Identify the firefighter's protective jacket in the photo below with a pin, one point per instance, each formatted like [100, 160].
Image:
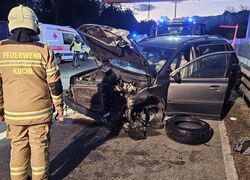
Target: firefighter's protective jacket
[30, 83]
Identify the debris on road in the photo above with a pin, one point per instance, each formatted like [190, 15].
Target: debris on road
[243, 146]
[233, 118]
[236, 130]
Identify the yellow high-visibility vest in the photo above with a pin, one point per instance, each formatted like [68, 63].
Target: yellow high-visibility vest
[77, 46]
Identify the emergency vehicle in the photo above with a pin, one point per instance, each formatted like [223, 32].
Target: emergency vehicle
[182, 26]
[59, 38]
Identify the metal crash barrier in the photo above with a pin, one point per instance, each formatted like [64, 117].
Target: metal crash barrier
[245, 81]
[243, 50]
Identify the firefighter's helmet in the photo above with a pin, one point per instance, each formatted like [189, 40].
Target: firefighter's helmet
[23, 17]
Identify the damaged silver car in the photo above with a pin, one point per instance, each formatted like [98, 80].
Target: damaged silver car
[138, 84]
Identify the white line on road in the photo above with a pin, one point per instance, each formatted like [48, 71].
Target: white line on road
[2, 135]
[230, 169]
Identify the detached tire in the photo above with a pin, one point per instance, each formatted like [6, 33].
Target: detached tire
[188, 130]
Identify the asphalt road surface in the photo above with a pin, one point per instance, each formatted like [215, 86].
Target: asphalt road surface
[81, 149]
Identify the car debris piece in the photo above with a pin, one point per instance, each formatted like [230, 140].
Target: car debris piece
[188, 130]
[233, 118]
[243, 146]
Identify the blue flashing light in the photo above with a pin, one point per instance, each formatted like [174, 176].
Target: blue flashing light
[190, 19]
[162, 20]
[134, 35]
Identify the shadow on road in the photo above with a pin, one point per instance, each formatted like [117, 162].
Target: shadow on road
[84, 142]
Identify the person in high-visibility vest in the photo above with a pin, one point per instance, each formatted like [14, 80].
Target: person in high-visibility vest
[30, 90]
[76, 47]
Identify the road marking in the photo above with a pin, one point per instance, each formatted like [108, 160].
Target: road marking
[2, 135]
[231, 173]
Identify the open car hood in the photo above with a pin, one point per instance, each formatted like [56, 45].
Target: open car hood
[109, 43]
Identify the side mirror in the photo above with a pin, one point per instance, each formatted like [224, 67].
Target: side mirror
[177, 77]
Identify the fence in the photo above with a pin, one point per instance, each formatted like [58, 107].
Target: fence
[242, 48]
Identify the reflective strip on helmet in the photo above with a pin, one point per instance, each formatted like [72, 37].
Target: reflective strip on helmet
[27, 115]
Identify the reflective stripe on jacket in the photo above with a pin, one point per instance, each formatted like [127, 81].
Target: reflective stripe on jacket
[29, 83]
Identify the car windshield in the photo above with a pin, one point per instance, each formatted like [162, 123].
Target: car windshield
[157, 57]
[127, 66]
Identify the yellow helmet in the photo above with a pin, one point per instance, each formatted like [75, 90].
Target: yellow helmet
[22, 17]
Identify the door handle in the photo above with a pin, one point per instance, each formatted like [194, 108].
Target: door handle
[215, 87]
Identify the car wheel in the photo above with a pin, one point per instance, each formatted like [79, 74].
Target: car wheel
[188, 130]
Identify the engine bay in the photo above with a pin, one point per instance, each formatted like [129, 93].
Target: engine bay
[113, 95]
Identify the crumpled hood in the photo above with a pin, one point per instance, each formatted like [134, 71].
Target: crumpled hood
[109, 43]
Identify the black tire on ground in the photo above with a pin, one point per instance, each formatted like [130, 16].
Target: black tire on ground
[188, 130]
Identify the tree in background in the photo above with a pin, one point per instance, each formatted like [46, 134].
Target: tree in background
[74, 13]
[144, 27]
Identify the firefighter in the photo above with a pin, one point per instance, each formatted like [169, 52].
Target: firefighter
[76, 47]
[30, 90]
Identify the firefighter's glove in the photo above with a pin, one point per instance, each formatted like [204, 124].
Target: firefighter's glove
[1, 118]
[59, 116]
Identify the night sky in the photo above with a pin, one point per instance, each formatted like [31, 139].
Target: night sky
[185, 8]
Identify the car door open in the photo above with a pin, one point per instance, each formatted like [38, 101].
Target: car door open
[200, 86]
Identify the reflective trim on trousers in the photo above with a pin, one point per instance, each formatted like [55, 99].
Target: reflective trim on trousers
[39, 170]
[16, 171]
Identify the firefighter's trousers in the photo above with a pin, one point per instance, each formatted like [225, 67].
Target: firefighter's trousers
[29, 147]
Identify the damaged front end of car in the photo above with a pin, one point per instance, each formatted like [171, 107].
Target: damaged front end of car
[119, 97]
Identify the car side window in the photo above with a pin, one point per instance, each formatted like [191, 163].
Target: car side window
[68, 38]
[213, 66]
[211, 48]
[182, 58]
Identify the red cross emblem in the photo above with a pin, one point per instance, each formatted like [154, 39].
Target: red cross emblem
[54, 36]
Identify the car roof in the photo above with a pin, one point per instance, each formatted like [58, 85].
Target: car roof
[173, 42]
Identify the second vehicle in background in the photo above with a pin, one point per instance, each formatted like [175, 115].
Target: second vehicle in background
[59, 38]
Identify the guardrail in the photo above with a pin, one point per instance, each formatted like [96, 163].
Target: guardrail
[242, 49]
[245, 81]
